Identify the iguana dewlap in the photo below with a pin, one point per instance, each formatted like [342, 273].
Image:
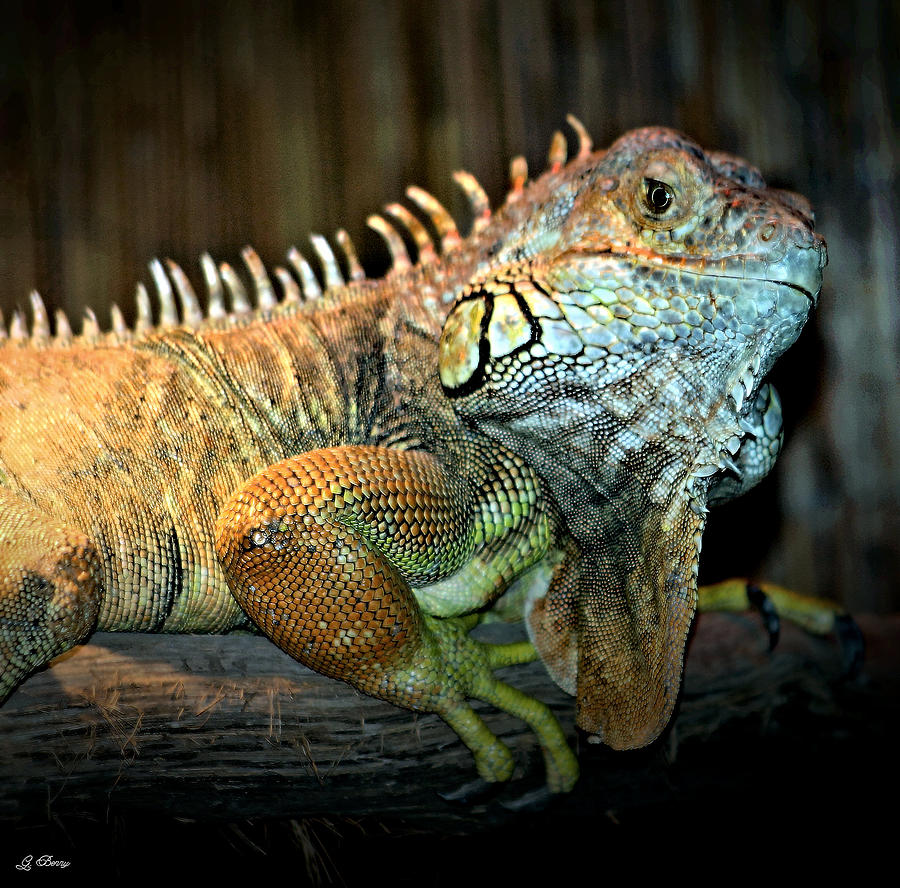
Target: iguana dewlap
[535, 416]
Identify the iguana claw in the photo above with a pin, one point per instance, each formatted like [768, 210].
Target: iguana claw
[472, 792]
[763, 604]
[774, 603]
[853, 649]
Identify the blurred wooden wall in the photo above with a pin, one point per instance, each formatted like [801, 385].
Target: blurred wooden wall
[129, 130]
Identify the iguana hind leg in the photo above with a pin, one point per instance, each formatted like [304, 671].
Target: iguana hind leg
[816, 615]
[323, 551]
[753, 461]
[49, 596]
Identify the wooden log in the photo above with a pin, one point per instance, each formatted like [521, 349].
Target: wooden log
[229, 728]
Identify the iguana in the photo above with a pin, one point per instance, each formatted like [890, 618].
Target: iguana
[529, 420]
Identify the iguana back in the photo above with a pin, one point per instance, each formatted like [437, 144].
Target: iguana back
[140, 442]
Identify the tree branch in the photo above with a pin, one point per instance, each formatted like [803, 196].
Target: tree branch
[228, 728]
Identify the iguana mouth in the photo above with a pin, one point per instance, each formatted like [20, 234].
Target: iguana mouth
[803, 290]
[688, 265]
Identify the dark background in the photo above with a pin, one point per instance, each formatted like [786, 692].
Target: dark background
[130, 130]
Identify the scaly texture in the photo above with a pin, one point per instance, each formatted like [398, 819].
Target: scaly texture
[531, 419]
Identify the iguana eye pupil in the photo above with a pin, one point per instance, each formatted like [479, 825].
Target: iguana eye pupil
[658, 195]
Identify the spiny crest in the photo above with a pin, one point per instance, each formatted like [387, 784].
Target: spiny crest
[228, 299]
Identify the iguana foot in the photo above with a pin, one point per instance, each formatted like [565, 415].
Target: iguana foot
[321, 551]
[473, 663]
[816, 615]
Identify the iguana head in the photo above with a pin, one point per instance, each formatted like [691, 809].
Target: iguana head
[634, 301]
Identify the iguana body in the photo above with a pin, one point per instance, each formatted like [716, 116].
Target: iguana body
[543, 410]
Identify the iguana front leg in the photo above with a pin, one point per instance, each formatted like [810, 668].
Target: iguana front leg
[323, 552]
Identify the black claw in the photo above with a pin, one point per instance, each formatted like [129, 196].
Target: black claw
[473, 792]
[535, 800]
[853, 648]
[763, 604]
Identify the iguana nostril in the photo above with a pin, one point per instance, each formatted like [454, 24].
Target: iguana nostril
[768, 231]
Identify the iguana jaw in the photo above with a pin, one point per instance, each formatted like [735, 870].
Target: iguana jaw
[805, 277]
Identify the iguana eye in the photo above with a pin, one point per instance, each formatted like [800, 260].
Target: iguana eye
[657, 196]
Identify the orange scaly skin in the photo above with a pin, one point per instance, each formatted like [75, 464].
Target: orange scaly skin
[540, 413]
